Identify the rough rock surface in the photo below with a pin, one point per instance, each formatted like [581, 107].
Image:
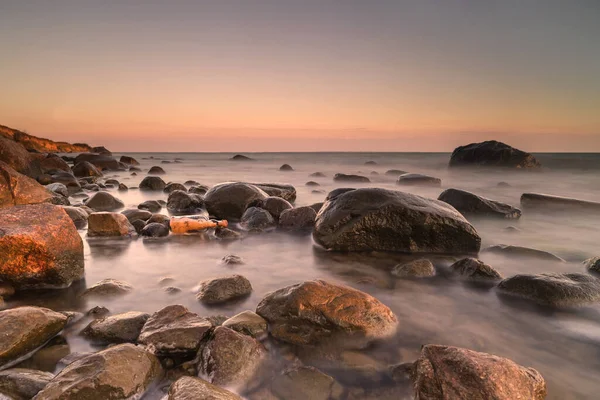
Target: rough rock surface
[418, 179]
[298, 219]
[223, 289]
[152, 183]
[133, 214]
[84, 168]
[171, 187]
[150, 205]
[286, 192]
[230, 200]
[474, 269]
[108, 288]
[492, 154]
[156, 171]
[155, 230]
[188, 388]
[78, 215]
[302, 383]
[120, 328]
[257, 219]
[444, 372]
[248, 323]
[415, 269]
[592, 264]
[109, 224]
[542, 202]
[129, 160]
[313, 311]
[22, 384]
[351, 178]
[101, 161]
[275, 205]
[521, 252]
[17, 189]
[468, 203]
[181, 202]
[104, 201]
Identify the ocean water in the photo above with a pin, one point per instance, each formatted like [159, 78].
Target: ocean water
[564, 345]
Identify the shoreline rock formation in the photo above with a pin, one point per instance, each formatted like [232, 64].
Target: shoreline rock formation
[42, 145]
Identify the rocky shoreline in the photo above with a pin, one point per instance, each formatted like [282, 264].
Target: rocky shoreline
[45, 199]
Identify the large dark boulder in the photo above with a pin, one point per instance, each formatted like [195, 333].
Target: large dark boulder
[298, 219]
[104, 201]
[17, 189]
[181, 202]
[315, 311]
[230, 200]
[39, 247]
[257, 219]
[374, 219]
[286, 192]
[189, 388]
[444, 372]
[173, 186]
[101, 161]
[152, 183]
[85, 168]
[492, 154]
[468, 203]
[129, 160]
[108, 288]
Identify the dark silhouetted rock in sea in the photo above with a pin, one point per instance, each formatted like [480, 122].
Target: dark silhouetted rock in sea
[155, 230]
[468, 203]
[285, 191]
[312, 183]
[474, 269]
[286, 167]
[180, 202]
[101, 161]
[153, 183]
[418, 180]
[150, 205]
[274, 205]
[317, 175]
[156, 171]
[129, 160]
[171, 187]
[240, 157]
[230, 200]
[414, 269]
[521, 252]
[351, 178]
[492, 154]
[395, 172]
[541, 202]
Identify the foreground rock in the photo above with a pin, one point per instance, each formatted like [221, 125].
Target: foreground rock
[521, 252]
[351, 178]
[241, 157]
[108, 288]
[120, 328]
[18, 189]
[444, 372]
[121, 372]
[152, 183]
[538, 201]
[301, 383]
[418, 180]
[78, 215]
[415, 269]
[39, 247]
[24, 330]
[468, 203]
[384, 220]
[220, 290]
[257, 219]
[104, 201]
[229, 358]
[21, 383]
[188, 388]
[155, 230]
[492, 154]
[298, 219]
[474, 269]
[314, 311]
[109, 224]
[553, 289]
[248, 323]
[174, 331]
[230, 200]
[286, 192]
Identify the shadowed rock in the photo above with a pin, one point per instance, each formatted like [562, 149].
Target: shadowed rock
[492, 154]
[317, 175]
[155, 230]
[156, 170]
[395, 172]
[188, 388]
[104, 201]
[129, 160]
[17, 189]
[152, 183]
[257, 219]
[101, 161]
[468, 203]
[474, 269]
[298, 219]
[230, 200]
[78, 215]
[592, 264]
[299, 383]
[109, 224]
[286, 167]
[22, 383]
[181, 202]
[351, 178]
[240, 157]
[150, 205]
[415, 269]
[223, 289]
[286, 192]
[538, 201]
[134, 214]
[521, 252]
[274, 205]
[248, 323]
[85, 168]
[120, 328]
[171, 187]
[418, 180]
[108, 288]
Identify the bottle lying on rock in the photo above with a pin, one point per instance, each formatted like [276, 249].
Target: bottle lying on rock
[181, 225]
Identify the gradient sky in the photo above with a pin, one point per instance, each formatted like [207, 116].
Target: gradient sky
[303, 75]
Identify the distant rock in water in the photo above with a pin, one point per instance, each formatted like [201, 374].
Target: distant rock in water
[41, 145]
[492, 154]
[317, 175]
[156, 171]
[468, 203]
[592, 264]
[101, 150]
[285, 191]
[240, 157]
[351, 178]
[101, 161]
[395, 172]
[286, 167]
[418, 180]
[474, 269]
[538, 201]
[521, 252]
[370, 163]
[129, 160]
[415, 269]
[153, 183]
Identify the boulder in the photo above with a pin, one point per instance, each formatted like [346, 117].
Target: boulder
[230, 200]
[468, 203]
[249, 323]
[227, 234]
[492, 154]
[17, 189]
[395, 172]
[123, 187]
[188, 388]
[77, 215]
[418, 179]
[84, 168]
[22, 383]
[156, 171]
[171, 187]
[351, 178]
[444, 372]
[18, 158]
[228, 358]
[521, 252]
[26, 329]
[103, 162]
[67, 179]
[553, 289]
[155, 230]
[174, 331]
[315, 311]
[39, 247]
[298, 219]
[317, 207]
[123, 372]
[129, 160]
[374, 219]
[232, 259]
[317, 175]
[101, 150]
[286, 192]
[474, 269]
[104, 201]
[133, 214]
[120, 328]
[108, 288]
[415, 269]
[109, 224]
[161, 219]
[286, 167]
[198, 189]
[58, 188]
[538, 201]
[274, 205]
[312, 183]
[181, 202]
[592, 264]
[223, 289]
[257, 219]
[150, 205]
[240, 157]
[300, 382]
[138, 225]
[152, 183]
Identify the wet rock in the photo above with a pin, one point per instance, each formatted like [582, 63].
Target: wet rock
[228, 358]
[419, 179]
[223, 289]
[101, 150]
[181, 202]
[17, 189]
[155, 230]
[395, 172]
[217, 320]
[138, 225]
[468, 203]
[174, 331]
[444, 372]
[240, 157]
[120, 328]
[317, 207]
[302, 382]
[415, 269]
[97, 312]
[17, 157]
[232, 259]
[46, 358]
[101, 161]
[474, 269]
[199, 189]
[188, 388]
[315, 311]
[492, 154]
[538, 201]
[123, 372]
[152, 183]
[351, 178]
[150, 205]
[122, 187]
[298, 219]
[385, 220]
[257, 219]
[248, 323]
[591, 264]
[172, 290]
[521, 252]
[171, 187]
[104, 201]
[553, 289]
[312, 183]
[317, 175]
[21, 383]
[58, 188]
[161, 219]
[77, 215]
[111, 182]
[286, 192]
[191, 183]
[129, 160]
[230, 200]
[133, 214]
[39, 247]
[84, 168]
[274, 205]
[24, 330]
[227, 234]
[286, 167]
[109, 224]
[107, 288]
[503, 184]
[156, 171]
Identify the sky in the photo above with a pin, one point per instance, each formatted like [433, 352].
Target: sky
[303, 75]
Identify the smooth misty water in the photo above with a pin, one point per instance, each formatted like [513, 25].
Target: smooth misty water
[564, 345]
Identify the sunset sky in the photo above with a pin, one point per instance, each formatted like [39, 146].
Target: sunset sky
[303, 75]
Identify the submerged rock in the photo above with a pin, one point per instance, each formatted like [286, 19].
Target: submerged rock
[419, 179]
[312, 183]
[152, 183]
[298, 219]
[120, 372]
[540, 201]
[300, 383]
[227, 234]
[150, 205]
[474, 269]
[109, 224]
[395, 172]
[374, 219]
[415, 269]
[274, 205]
[223, 289]
[286, 192]
[468, 203]
[232, 259]
[120, 328]
[286, 167]
[444, 372]
[315, 311]
[104, 201]
[521, 252]
[492, 154]
[553, 289]
[181, 202]
[188, 388]
[108, 288]
[18, 189]
[156, 171]
[230, 200]
[257, 219]
[39, 247]
[134, 214]
[351, 178]
[155, 230]
[317, 175]
[240, 157]
[592, 264]
[24, 330]
[22, 383]
[171, 187]
[248, 323]
[77, 215]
